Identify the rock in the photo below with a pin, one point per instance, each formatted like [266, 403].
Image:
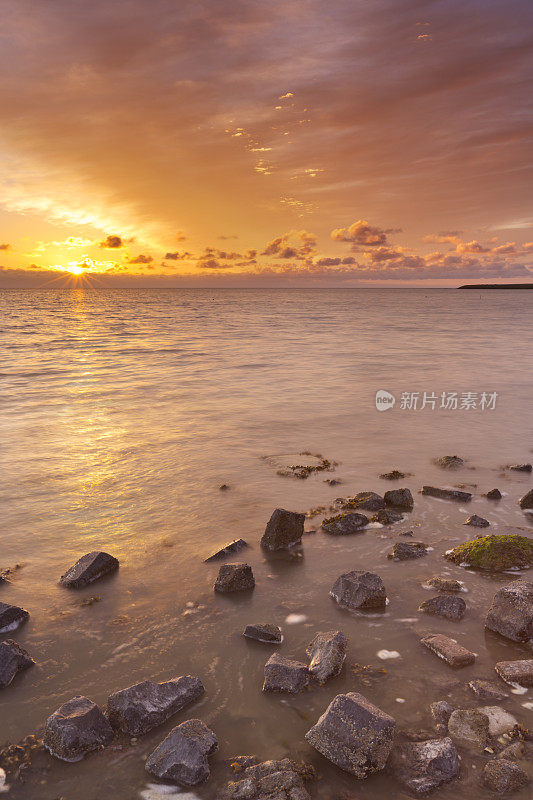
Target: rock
[394, 475]
[511, 611]
[401, 498]
[13, 659]
[270, 780]
[527, 500]
[450, 462]
[139, 708]
[405, 533]
[327, 652]
[182, 756]
[423, 766]
[500, 721]
[284, 529]
[494, 553]
[445, 605]
[368, 501]
[233, 547]
[234, 578]
[264, 633]
[359, 590]
[454, 654]
[514, 752]
[344, 524]
[284, 675]
[476, 522]
[445, 584]
[486, 690]
[78, 727]
[89, 569]
[223, 487]
[402, 551]
[520, 671]
[333, 481]
[503, 776]
[520, 467]
[353, 734]
[441, 712]
[469, 728]
[11, 617]
[494, 494]
[446, 494]
[386, 516]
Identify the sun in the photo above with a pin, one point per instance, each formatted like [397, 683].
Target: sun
[76, 270]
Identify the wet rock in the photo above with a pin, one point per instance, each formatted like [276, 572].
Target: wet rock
[503, 776]
[494, 553]
[527, 500]
[514, 752]
[13, 659]
[445, 605]
[448, 649]
[441, 712]
[520, 467]
[233, 547]
[402, 551]
[234, 578]
[476, 522]
[354, 734]
[405, 533]
[494, 494]
[344, 524]
[386, 516]
[368, 501]
[327, 652]
[284, 529]
[88, 569]
[182, 756]
[423, 766]
[500, 721]
[269, 780]
[450, 462]
[223, 487]
[520, 671]
[511, 611]
[359, 590]
[445, 584]
[11, 617]
[78, 727]
[400, 498]
[284, 675]
[264, 633]
[333, 481]
[394, 475]
[238, 763]
[486, 690]
[446, 494]
[469, 728]
[139, 708]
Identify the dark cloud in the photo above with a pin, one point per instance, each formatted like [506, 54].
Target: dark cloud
[112, 242]
[177, 256]
[141, 259]
[5, 246]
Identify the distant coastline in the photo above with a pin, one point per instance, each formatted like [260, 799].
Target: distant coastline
[496, 286]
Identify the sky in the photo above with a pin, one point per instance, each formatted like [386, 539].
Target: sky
[276, 143]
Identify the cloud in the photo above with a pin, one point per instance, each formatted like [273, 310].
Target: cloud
[298, 245]
[112, 242]
[5, 246]
[177, 256]
[360, 233]
[141, 259]
[472, 247]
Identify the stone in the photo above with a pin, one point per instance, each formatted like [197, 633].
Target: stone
[445, 605]
[77, 727]
[12, 617]
[513, 752]
[354, 735]
[333, 481]
[182, 757]
[359, 590]
[284, 675]
[476, 522]
[386, 516]
[448, 649]
[445, 584]
[224, 487]
[486, 690]
[521, 467]
[403, 551]
[88, 569]
[344, 524]
[494, 553]
[393, 475]
[441, 712]
[494, 494]
[284, 529]
[264, 633]
[139, 708]
[500, 721]
[469, 728]
[526, 501]
[13, 659]
[405, 533]
[520, 671]
[233, 547]
[503, 776]
[269, 780]
[511, 611]
[327, 652]
[446, 494]
[400, 498]
[234, 578]
[450, 462]
[423, 766]
[368, 501]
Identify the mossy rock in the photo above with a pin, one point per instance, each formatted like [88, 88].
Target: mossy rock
[494, 553]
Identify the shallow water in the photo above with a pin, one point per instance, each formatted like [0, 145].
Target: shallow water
[126, 410]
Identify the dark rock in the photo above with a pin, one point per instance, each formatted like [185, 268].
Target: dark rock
[89, 569]
[238, 763]
[78, 727]
[344, 524]
[233, 547]
[386, 516]
[139, 708]
[520, 672]
[182, 756]
[445, 605]
[423, 766]
[394, 475]
[450, 462]
[476, 522]
[264, 633]
[469, 727]
[503, 776]
[368, 501]
[486, 690]
[284, 529]
[13, 659]
[327, 652]
[521, 467]
[511, 612]
[494, 553]
[402, 551]
[223, 487]
[359, 590]
[441, 712]
[405, 533]
[494, 494]
[454, 654]
[446, 494]
[514, 752]
[445, 584]
[284, 675]
[270, 780]
[234, 578]
[11, 617]
[333, 481]
[354, 734]
[527, 500]
[400, 498]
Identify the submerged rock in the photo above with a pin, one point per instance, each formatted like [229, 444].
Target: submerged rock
[270, 780]
[264, 633]
[445, 584]
[469, 727]
[11, 617]
[327, 652]
[284, 675]
[344, 524]
[386, 516]
[354, 735]
[526, 501]
[520, 467]
[368, 501]
[494, 553]
[477, 522]
[284, 529]
[401, 498]
[446, 494]
[503, 776]
[520, 671]
[445, 605]
[450, 462]
[423, 766]
[139, 708]
[13, 659]
[513, 752]
[359, 589]
[402, 551]
[511, 612]
[486, 690]
[448, 649]
[234, 578]
[88, 569]
[441, 712]
[393, 475]
[182, 756]
[233, 547]
[78, 727]
[494, 494]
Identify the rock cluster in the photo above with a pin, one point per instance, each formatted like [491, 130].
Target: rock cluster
[270, 780]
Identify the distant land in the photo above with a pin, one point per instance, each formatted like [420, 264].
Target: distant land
[496, 286]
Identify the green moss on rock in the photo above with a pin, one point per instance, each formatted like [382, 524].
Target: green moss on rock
[494, 553]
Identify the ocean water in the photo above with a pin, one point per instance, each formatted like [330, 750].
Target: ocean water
[123, 413]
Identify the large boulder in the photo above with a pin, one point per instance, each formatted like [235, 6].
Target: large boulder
[494, 553]
[345, 524]
[502, 776]
[139, 708]
[469, 727]
[88, 569]
[234, 578]
[284, 529]
[512, 672]
[78, 727]
[182, 755]
[446, 494]
[354, 734]
[269, 780]
[327, 652]
[511, 611]
[11, 617]
[448, 606]
[526, 501]
[400, 498]
[13, 659]
[423, 766]
[284, 675]
[448, 649]
[359, 589]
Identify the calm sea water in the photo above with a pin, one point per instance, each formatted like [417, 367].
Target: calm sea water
[124, 411]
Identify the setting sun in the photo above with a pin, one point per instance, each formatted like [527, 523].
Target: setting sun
[76, 270]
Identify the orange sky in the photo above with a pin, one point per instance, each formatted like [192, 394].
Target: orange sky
[280, 143]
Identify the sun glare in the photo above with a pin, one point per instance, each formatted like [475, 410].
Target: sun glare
[76, 270]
